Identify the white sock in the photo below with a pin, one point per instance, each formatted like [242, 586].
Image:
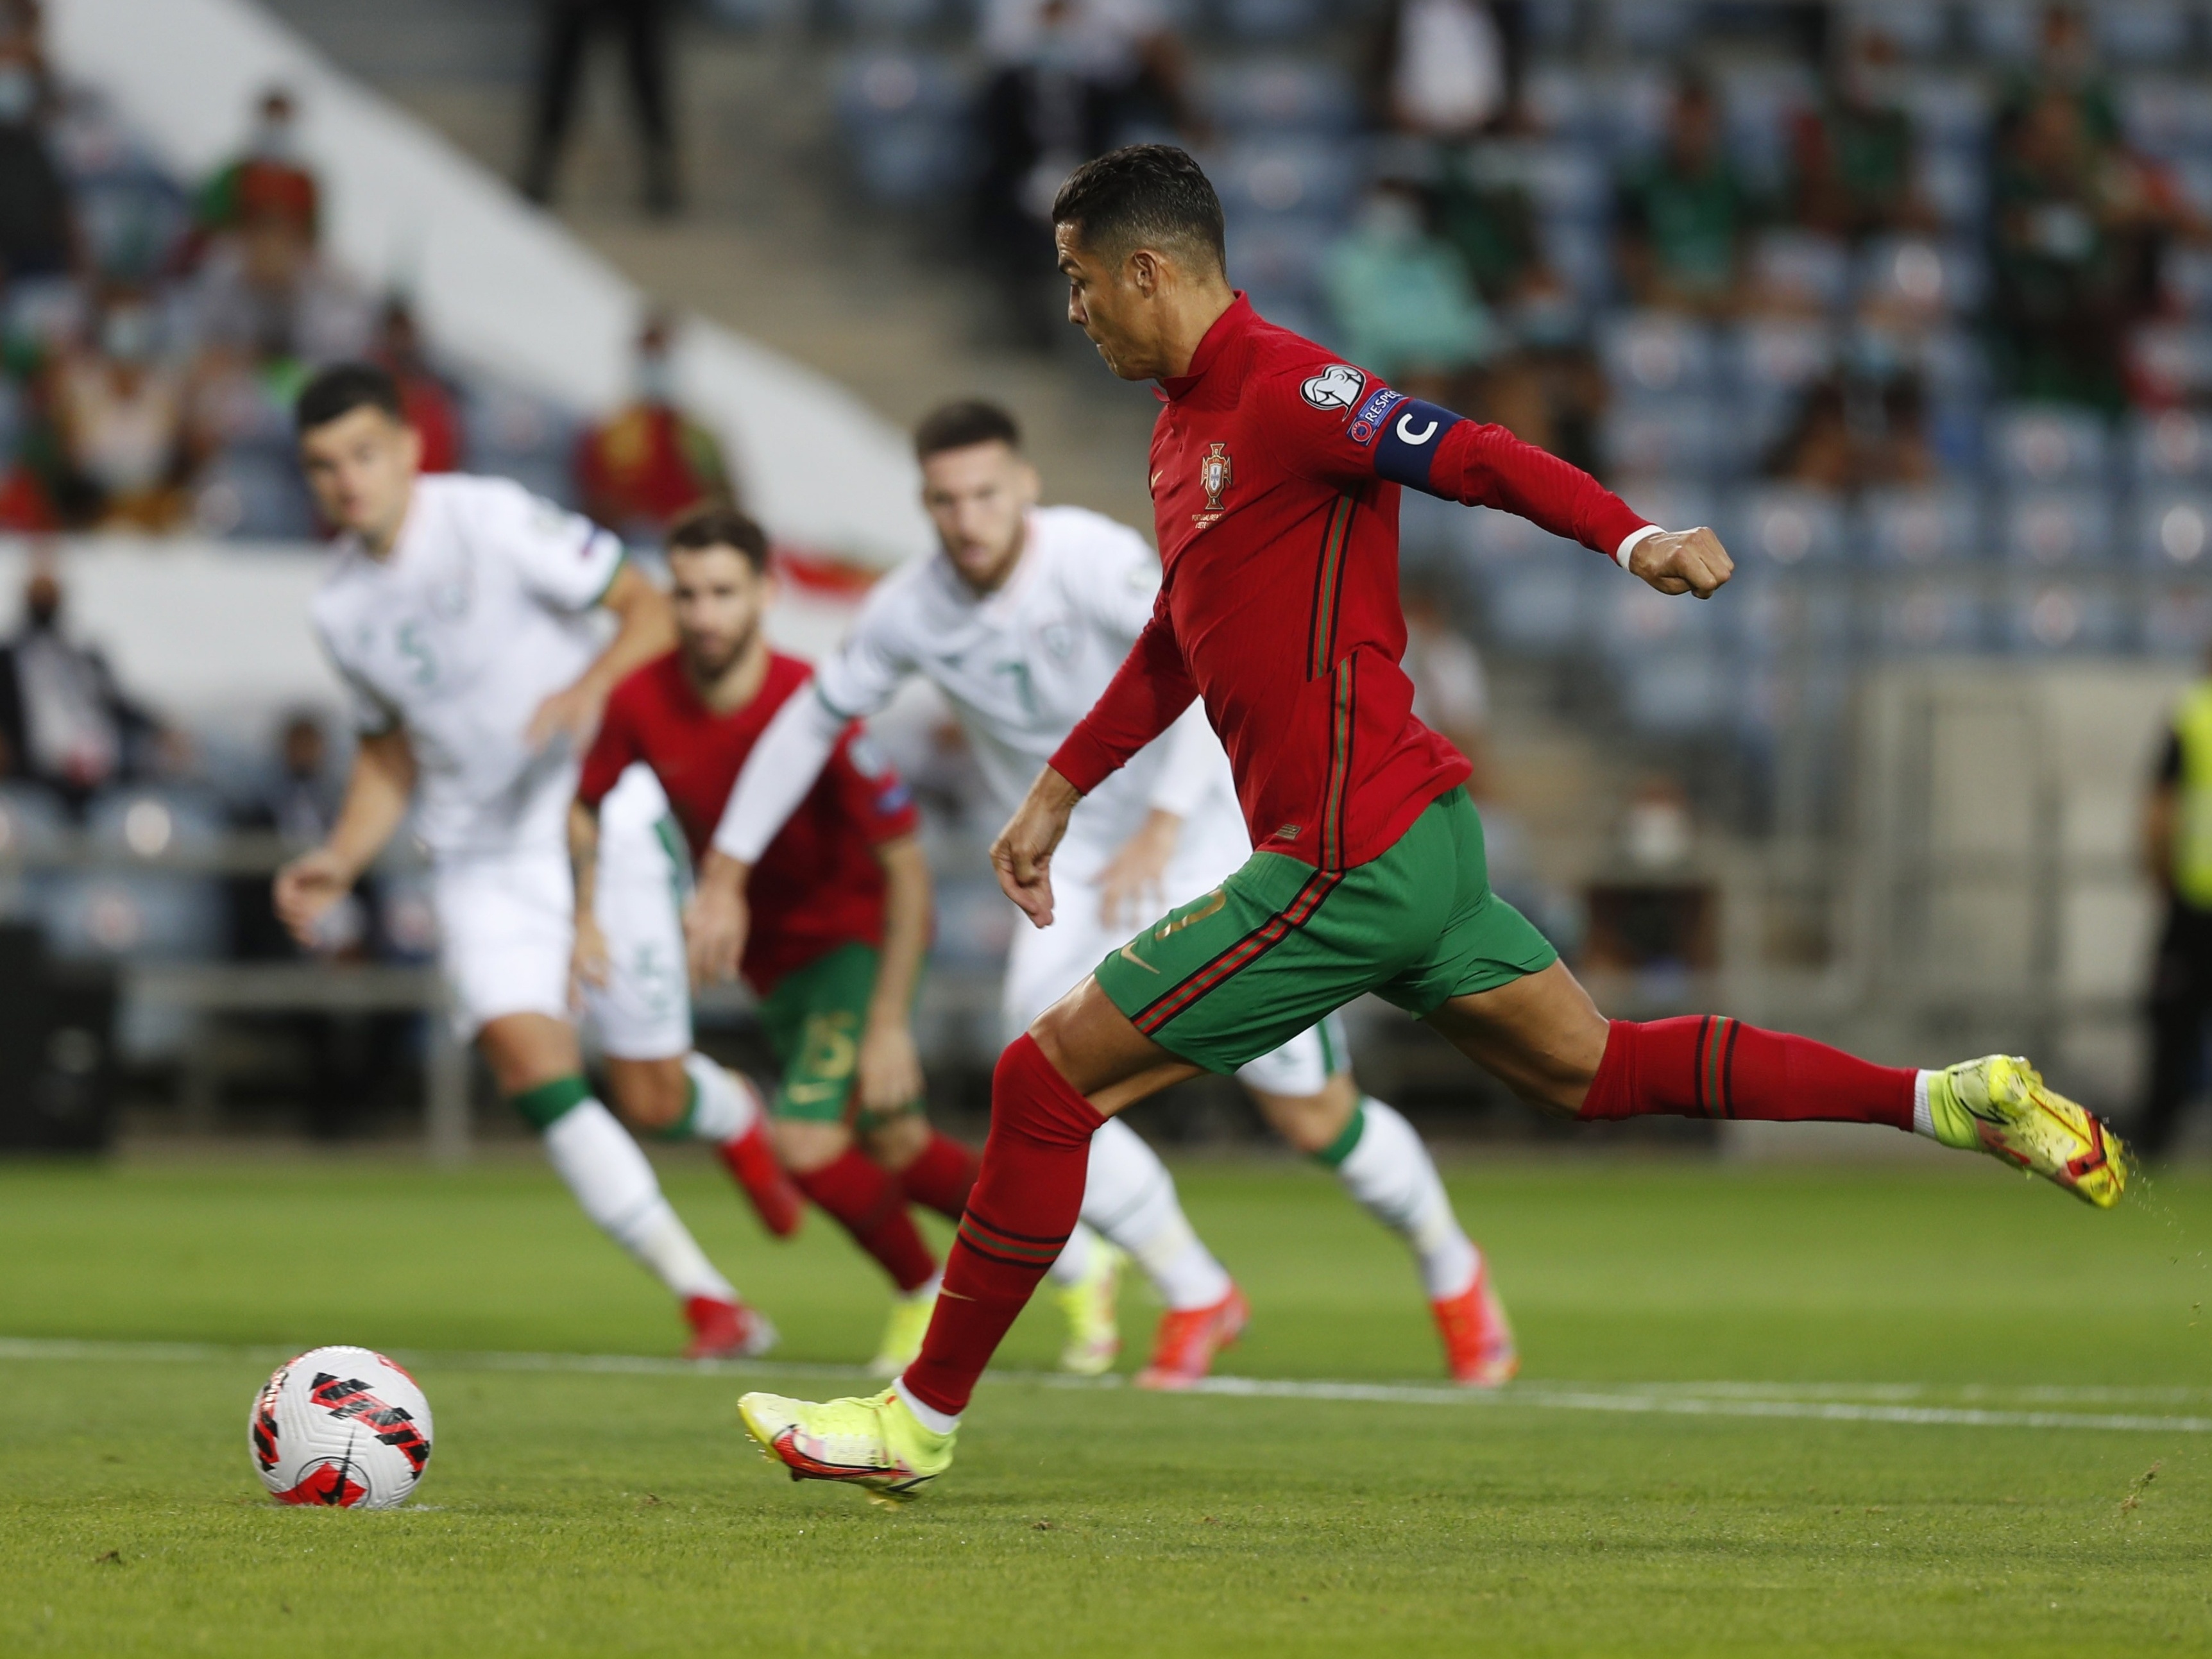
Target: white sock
[1923, 1120]
[1390, 1175]
[1129, 1196]
[723, 1106]
[929, 1417]
[619, 1190]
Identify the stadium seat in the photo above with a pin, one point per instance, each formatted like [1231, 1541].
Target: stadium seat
[32, 823]
[1675, 693]
[1691, 437]
[1564, 102]
[2042, 616]
[2173, 529]
[1562, 181]
[140, 914]
[1786, 525]
[1270, 20]
[1657, 353]
[889, 17]
[2004, 30]
[2056, 529]
[2184, 280]
[1928, 614]
[1954, 180]
[248, 495]
[1301, 176]
[2048, 444]
[2173, 361]
[2166, 116]
[1778, 354]
[1759, 99]
[1276, 254]
[1582, 254]
[1540, 607]
[1800, 271]
[2144, 31]
[1651, 28]
[904, 116]
[1920, 528]
[1912, 274]
[1766, 611]
[1917, 28]
[1947, 107]
[131, 219]
[1494, 540]
[1282, 94]
[2174, 620]
[1636, 619]
[1634, 102]
[2172, 444]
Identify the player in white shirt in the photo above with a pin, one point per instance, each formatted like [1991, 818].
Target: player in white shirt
[1020, 620]
[463, 615]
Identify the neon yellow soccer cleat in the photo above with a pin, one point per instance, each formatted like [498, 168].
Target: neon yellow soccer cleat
[1094, 1329]
[875, 1444]
[1999, 1105]
[903, 1331]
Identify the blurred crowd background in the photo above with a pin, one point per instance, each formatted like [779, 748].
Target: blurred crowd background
[1911, 302]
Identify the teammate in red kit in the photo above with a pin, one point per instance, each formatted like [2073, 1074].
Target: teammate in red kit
[1276, 471]
[840, 903]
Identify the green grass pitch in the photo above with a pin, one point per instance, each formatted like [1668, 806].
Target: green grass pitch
[1618, 1499]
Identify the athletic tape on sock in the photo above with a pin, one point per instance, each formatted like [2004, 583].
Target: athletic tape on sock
[548, 1103]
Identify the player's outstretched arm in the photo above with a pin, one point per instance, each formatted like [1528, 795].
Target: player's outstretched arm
[1683, 562]
[377, 792]
[1022, 855]
[889, 1071]
[587, 959]
[647, 630]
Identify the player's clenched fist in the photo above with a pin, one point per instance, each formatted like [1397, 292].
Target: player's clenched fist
[307, 887]
[1683, 562]
[1023, 853]
[716, 920]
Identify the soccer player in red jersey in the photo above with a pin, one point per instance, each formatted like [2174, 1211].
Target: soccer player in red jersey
[841, 902]
[1276, 471]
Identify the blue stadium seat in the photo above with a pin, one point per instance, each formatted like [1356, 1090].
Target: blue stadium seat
[1785, 526]
[1657, 353]
[2004, 30]
[1270, 20]
[1282, 94]
[1276, 254]
[2174, 359]
[1305, 177]
[132, 220]
[1635, 101]
[2058, 529]
[2173, 529]
[889, 16]
[1928, 614]
[1636, 619]
[2048, 444]
[1539, 607]
[2165, 116]
[1563, 179]
[1801, 269]
[2039, 615]
[140, 914]
[1496, 541]
[33, 820]
[250, 495]
[1915, 274]
[1675, 693]
[1687, 436]
[1657, 27]
[1948, 108]
[2185, 278]
[1916, 27]
[1564, 102]
[1768, 611]
[904, 116]
[2174, 620]
[1954, 180]
[2146, 31]
[1582, 254]
[1778, 354]
[2172, 444]
[1759, 100]
[1921, 528]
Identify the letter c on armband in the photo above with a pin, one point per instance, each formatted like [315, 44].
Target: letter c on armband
[1407, 449]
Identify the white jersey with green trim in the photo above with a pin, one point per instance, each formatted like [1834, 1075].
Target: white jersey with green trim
[486, 604]
[1023, 664]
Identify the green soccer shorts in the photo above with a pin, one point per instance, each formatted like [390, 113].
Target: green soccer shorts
[1279, 944]
[813, 1019]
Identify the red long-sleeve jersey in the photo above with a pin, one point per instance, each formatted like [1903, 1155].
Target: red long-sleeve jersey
[1276, 472]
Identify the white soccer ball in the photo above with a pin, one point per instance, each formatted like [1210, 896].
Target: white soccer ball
[342, 1427]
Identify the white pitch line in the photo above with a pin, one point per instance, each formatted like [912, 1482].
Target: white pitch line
[1804, 1402]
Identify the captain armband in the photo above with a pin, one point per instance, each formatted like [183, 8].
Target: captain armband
[1405, 448]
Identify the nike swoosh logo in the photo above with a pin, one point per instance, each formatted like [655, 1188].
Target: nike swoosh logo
[1128, 953]
[1177, 924]
[1156, 477]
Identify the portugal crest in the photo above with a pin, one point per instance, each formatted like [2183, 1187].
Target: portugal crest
[1214, 473]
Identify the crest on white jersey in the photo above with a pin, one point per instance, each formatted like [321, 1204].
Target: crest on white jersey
[1337, 386]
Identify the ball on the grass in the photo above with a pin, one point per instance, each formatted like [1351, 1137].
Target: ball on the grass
[344, 1428]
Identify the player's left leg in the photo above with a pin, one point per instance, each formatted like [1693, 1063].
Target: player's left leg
[1305, 1091]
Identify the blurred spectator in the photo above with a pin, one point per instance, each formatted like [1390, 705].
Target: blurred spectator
[1444, 69]
[118, 409]
[1547, 388]
[1491, 224]
[647, 462]
[2074, 255]
[569, 25]
[1685, 214]
[1127, 51]
[267, 179]
[1451, 694]
[1403, 301]
[1852, 156]
[2065, 66]
[428, 401]
[37, 232]
[63, 720]
[1852, 432]
[266, 300]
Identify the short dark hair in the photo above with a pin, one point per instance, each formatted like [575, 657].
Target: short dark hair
[341, 389]
[963, 422]
[1144, 196]
[718, 524]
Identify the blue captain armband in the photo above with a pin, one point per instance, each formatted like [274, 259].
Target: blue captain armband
[1405, 446]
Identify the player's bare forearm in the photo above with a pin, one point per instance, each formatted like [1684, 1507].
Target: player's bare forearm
[647, 630]
[1022, 855]
[906, 932]
[1683, 562]
[584, 855]
[377, 792]
[1135, 878]
[716, 920]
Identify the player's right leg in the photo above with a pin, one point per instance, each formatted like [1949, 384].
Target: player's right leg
[1130, 1205]
[813, 1017]
[505, 935]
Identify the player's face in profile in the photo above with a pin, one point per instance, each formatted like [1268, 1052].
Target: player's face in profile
[1103, 304]
[719, 598]
[976, 497]
[362, 467]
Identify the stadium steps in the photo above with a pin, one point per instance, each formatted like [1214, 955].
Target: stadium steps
[775, 243]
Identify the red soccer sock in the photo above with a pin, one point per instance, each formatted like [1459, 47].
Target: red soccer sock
[871, 1205]
[1708, 1065]
[941, 1175]
[1024, 1205]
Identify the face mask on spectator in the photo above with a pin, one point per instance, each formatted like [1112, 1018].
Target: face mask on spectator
[19, 94]
[656, 379]
[1392, 220]
[274, 140]
[126, 334]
